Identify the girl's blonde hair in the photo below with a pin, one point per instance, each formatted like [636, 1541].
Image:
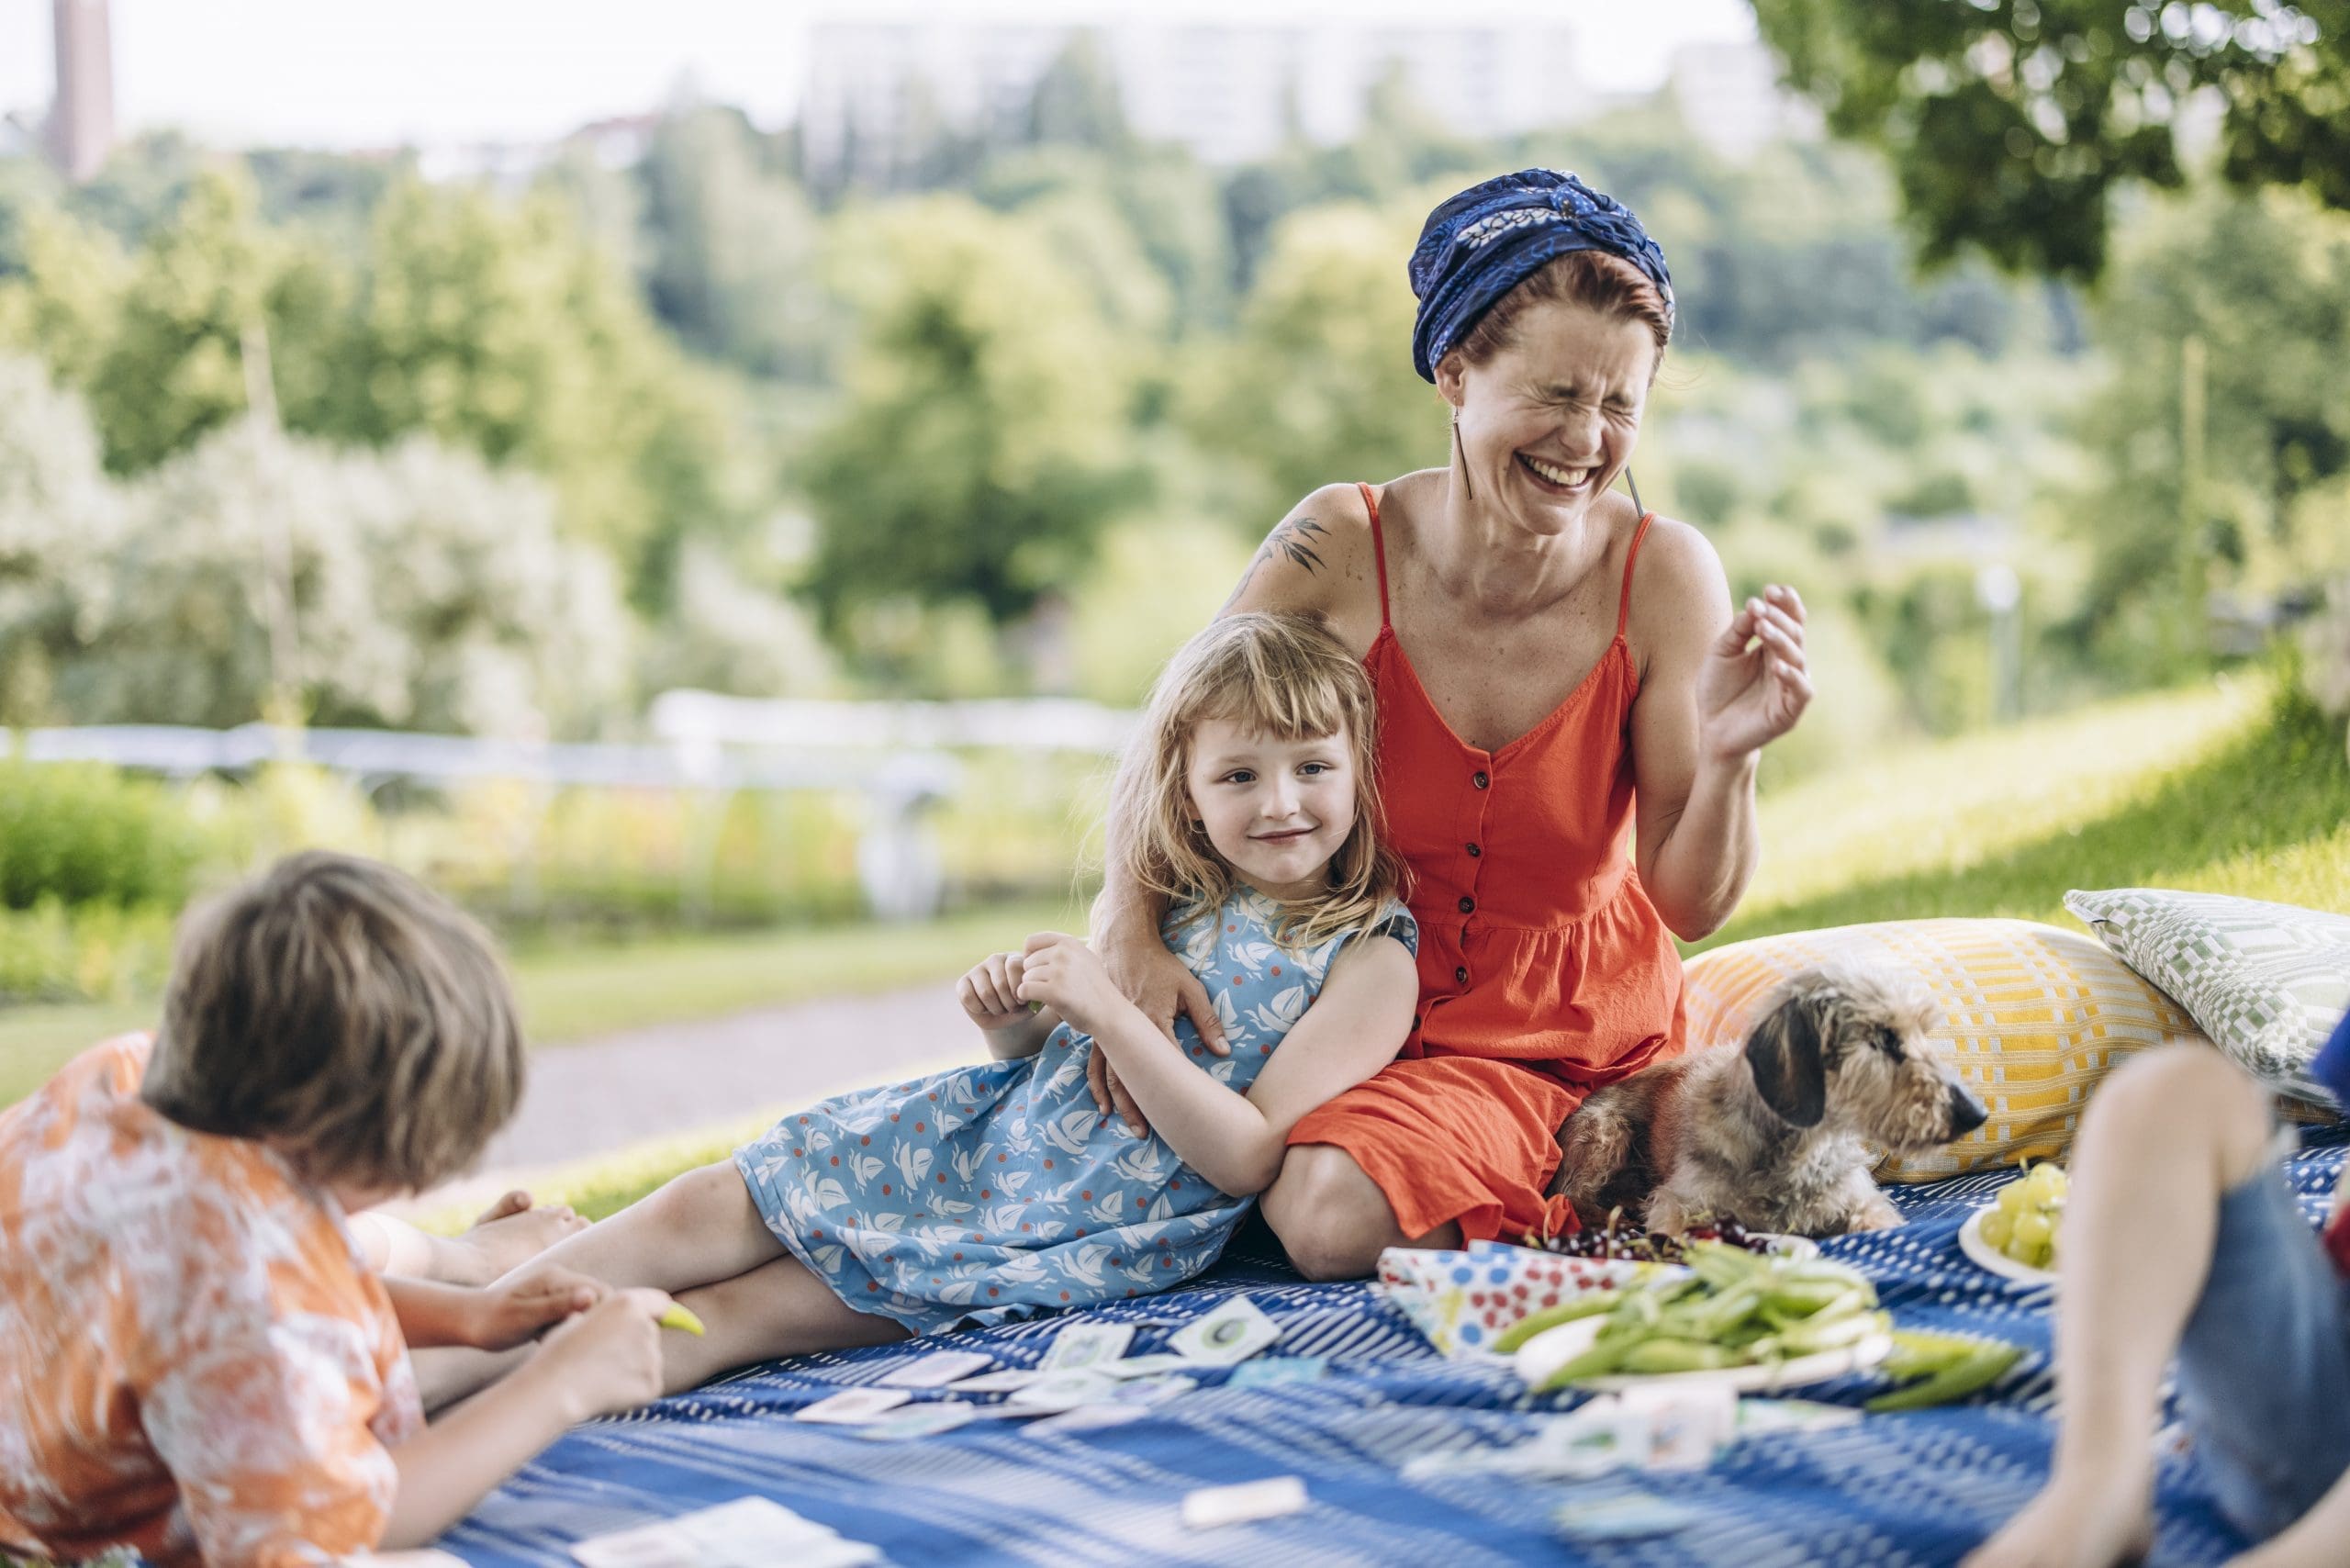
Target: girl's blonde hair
[1280, 675]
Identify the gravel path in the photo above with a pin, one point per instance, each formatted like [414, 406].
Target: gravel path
[602, 1095]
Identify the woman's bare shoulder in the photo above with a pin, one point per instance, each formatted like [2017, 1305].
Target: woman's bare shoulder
[1318, 560]
[1680, 594]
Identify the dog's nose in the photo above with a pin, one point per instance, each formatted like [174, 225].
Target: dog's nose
[1966, 1113]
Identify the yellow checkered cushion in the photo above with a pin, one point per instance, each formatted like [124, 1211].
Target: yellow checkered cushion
[2032, 1017]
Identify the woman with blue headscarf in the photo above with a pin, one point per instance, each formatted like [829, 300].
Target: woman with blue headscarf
[1571, 714]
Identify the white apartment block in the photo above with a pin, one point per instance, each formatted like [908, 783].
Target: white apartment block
[1230, 91]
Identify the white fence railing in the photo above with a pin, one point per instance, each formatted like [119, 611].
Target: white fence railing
[894, 755]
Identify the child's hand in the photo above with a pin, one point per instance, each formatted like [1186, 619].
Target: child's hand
[608, 1359]
[504, 1315]
[1064, 974]
[990, 993]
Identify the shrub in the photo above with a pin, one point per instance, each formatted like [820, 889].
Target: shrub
[84, 834]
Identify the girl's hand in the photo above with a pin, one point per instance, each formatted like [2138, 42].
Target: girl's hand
[1749, 696]
[990, 993]
[1062, 973]
[504, 1316]
[608, 1359]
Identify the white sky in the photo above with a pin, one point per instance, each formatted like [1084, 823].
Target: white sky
[375, 73]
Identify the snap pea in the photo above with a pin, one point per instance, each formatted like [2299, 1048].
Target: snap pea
[1604, 1356]
[1677, 1356]
[1977, 1369]
[1525, 1328]
[1922, 1355]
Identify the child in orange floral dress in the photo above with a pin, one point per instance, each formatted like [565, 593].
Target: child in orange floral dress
[195, 1359]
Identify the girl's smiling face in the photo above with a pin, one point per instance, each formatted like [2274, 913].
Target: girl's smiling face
[1548, 423]
[1276, 810]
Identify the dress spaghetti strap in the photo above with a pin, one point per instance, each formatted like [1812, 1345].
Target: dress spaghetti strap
[1623, 603]
[1378, 549]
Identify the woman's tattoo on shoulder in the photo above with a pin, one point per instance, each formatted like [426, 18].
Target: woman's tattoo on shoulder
[1292, 538]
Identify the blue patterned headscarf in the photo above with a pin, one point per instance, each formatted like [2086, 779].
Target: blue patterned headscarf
[1491, 238]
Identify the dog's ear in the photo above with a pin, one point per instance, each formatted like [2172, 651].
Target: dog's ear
[1789, 1062]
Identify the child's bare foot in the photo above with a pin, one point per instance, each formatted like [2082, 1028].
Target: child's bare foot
[2076, 1521]
[510, 1232]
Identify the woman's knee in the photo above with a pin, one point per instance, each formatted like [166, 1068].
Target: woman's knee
[702, 1199]
[2184, 1095]
[1331, 1219]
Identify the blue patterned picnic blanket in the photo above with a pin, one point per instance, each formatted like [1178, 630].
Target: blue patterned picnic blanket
[1914, 1489]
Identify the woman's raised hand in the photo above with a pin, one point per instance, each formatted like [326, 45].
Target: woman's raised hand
[1755, 685]
[1156, 981]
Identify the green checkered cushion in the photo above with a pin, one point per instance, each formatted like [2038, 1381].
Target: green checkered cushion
[2267, 981]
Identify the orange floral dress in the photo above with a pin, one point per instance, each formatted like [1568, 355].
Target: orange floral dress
[194, 1361]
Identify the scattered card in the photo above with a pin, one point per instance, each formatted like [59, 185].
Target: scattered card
[1009, 1381]
[1231, 1333]
[1756, 1417]
[745, 1533]
[920, 1421]
[1064, 1391]
[1147, 1366]
[1629, 1516]
[938, 1370]
[1088, 1344]
[854, 1406]
[1145, 1391]
[1086, 1418]
[1267, 1370]
[1245, 1504]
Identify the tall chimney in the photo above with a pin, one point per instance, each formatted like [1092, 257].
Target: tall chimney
[80, 117]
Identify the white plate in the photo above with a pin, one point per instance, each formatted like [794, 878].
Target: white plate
[1971, 1242]
[1763, 1377]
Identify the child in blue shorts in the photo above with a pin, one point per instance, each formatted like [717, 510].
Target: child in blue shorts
[2183, 1235]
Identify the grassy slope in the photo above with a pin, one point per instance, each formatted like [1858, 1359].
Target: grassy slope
[572, 994]
[2219, 790]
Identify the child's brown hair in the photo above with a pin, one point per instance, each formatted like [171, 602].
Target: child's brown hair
[342, 1012]
[1277, 675]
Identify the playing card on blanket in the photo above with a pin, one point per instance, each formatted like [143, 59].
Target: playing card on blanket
[938, 1369]
[1232, 1333]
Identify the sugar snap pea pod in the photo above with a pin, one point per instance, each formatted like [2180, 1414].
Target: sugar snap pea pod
[1675, 1356]
[1978, 1368]
[1802, 1297]
[1603, 1357]
[1525, 1328]
[1723, 1267]
[1728, 1310]
[1922, 1355]
[1812, 1335]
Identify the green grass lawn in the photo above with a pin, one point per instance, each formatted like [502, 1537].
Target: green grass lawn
[575, 992]
[2220, 790]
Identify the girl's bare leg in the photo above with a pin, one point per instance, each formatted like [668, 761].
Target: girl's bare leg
[700, 1229]
[2165, 1138]
[777, 1309]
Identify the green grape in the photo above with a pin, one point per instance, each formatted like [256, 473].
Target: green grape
[1997, 1226]
[2013, 1198]
[2046, 1183]
[2029, 1238]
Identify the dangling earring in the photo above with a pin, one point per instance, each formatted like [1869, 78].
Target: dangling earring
[1462, 453]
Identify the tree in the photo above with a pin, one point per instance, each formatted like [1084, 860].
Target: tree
[2221, 440]
[733, 265]
[492, 324]
[427, 592]
[2013, 124]
[981, 449]
[1318, 383]
[60, 521]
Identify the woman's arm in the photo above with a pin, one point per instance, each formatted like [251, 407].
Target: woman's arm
[1708, 705]
[1353, 1030]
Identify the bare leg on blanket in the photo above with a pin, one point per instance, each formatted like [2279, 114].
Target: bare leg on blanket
[1331, 1219]
[699, 1238]
[2166, 1137]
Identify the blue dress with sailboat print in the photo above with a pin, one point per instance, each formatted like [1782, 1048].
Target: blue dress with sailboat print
[996, 1191]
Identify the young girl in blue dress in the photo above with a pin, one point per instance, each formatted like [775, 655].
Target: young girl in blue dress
[997, 1191]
